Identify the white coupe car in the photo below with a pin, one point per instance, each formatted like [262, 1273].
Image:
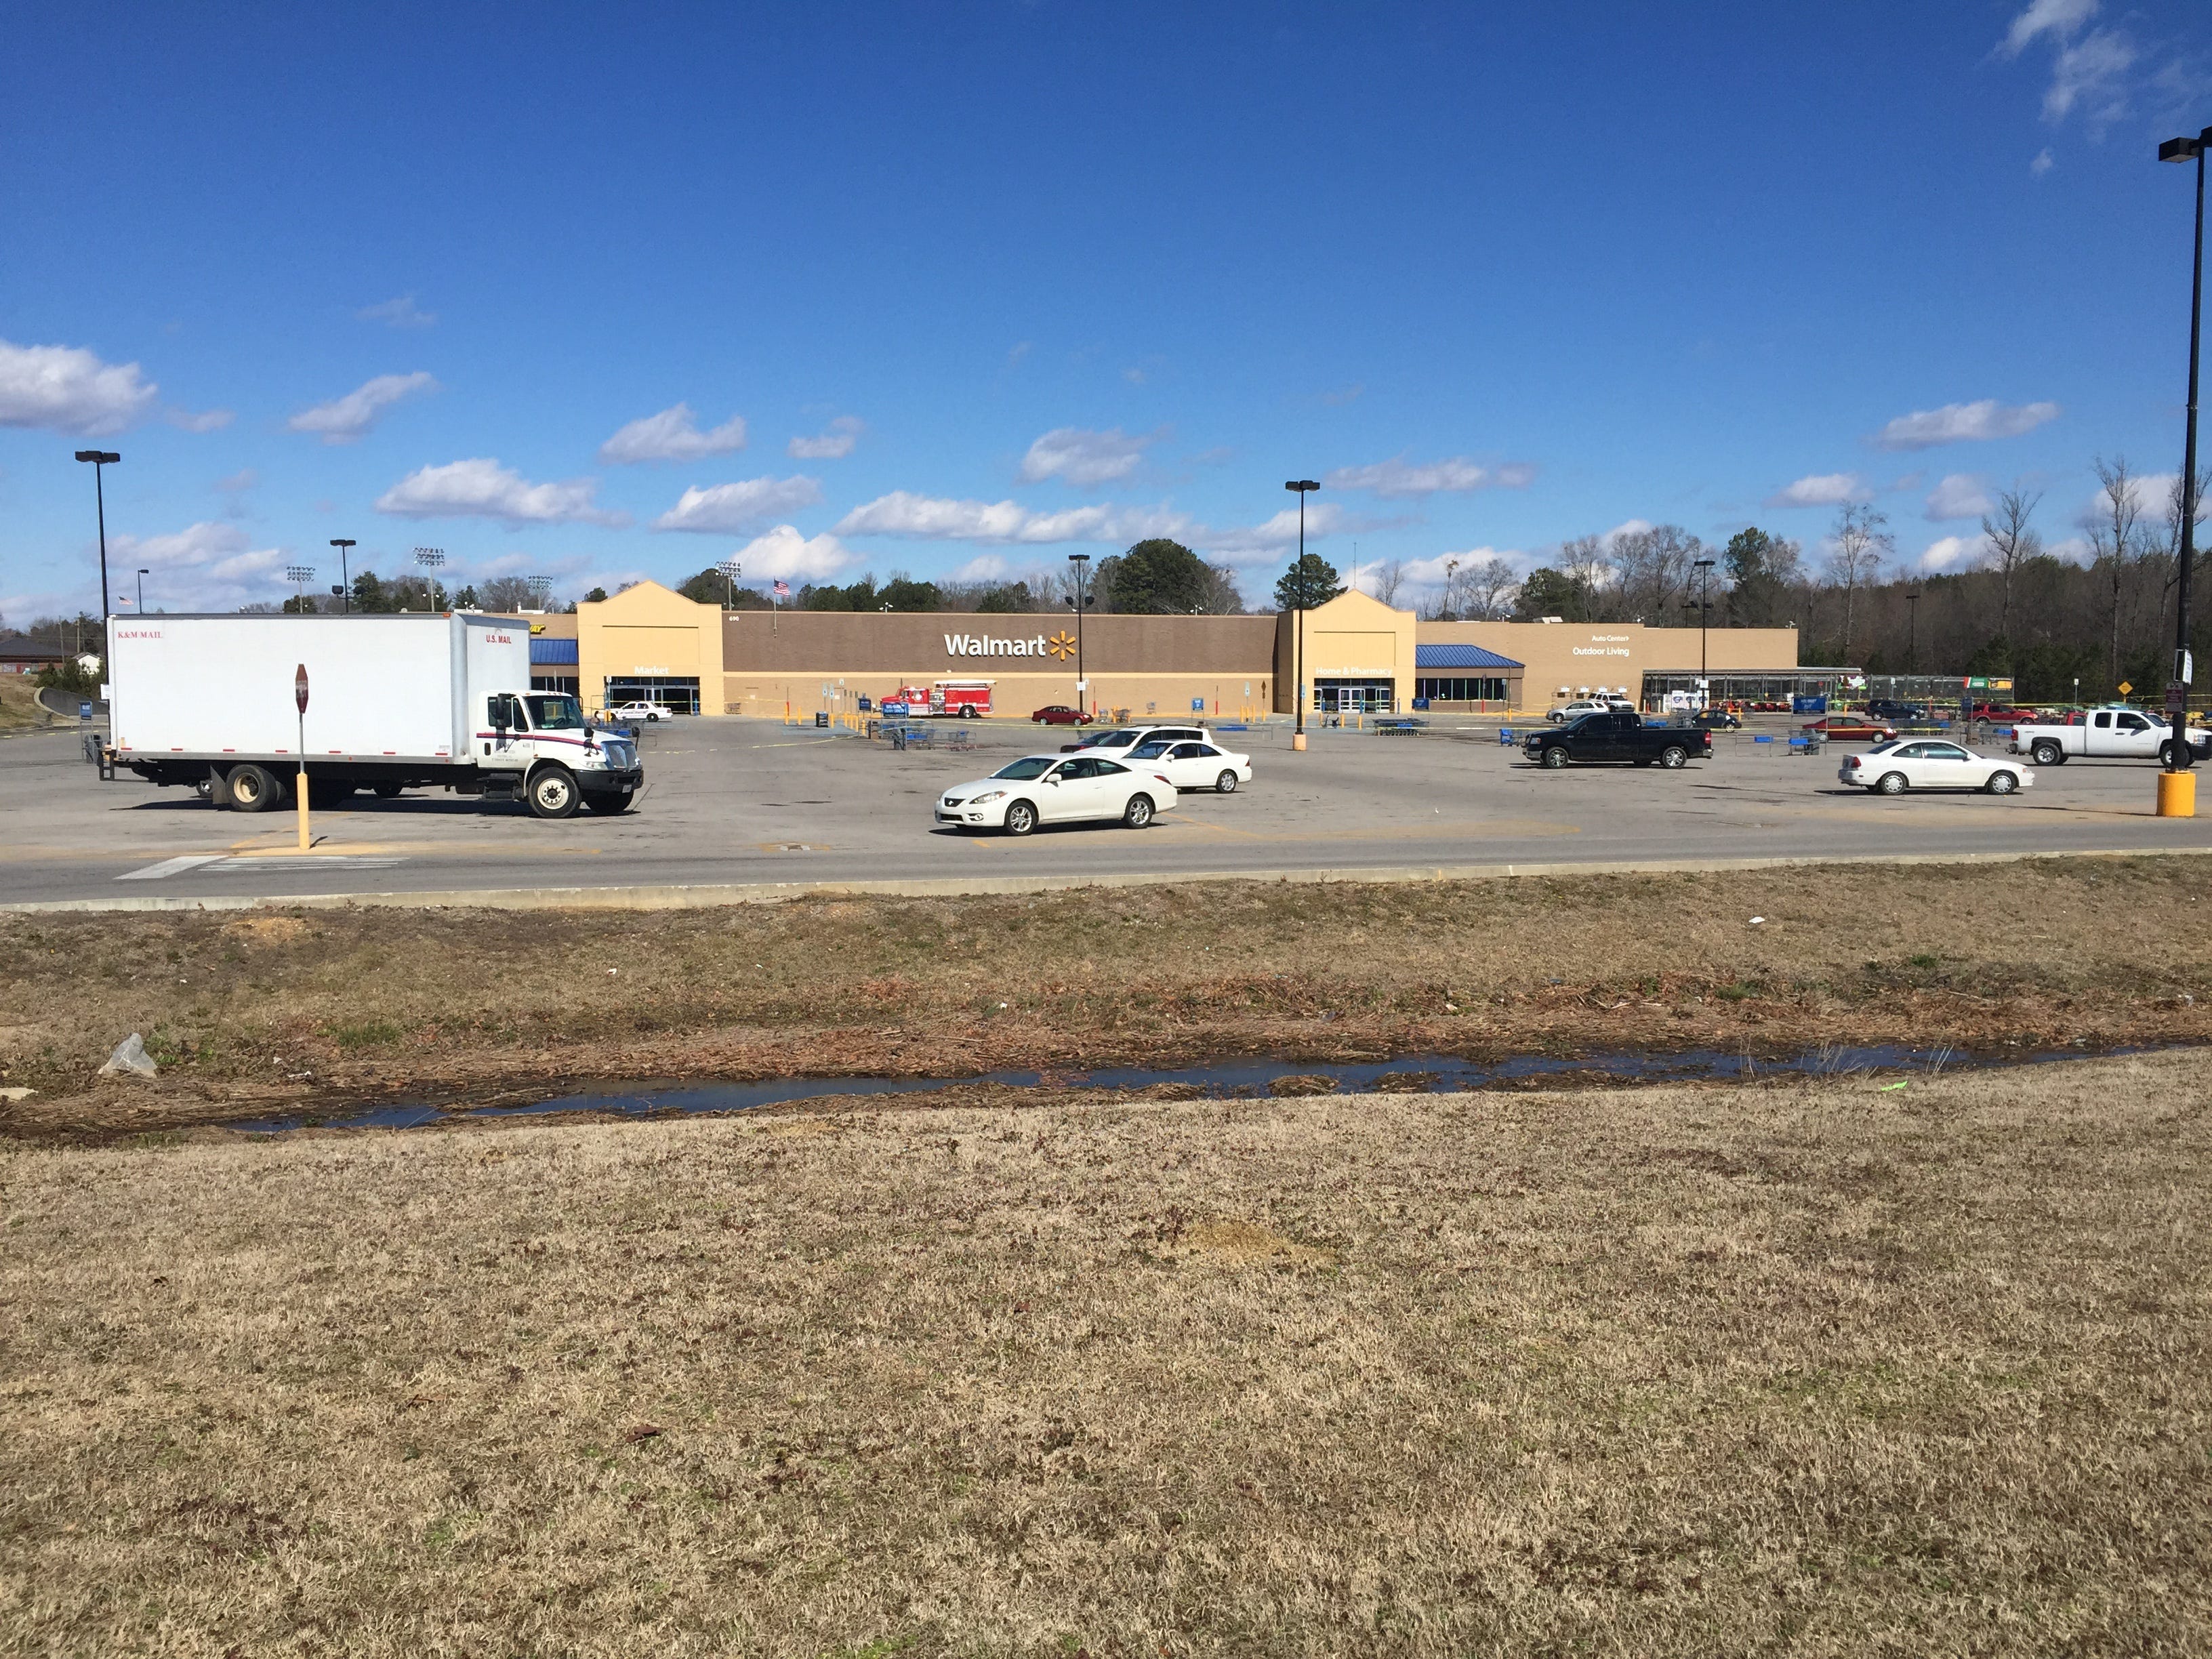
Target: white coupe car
[1890, 768]
[629, 712]
[1567, 713]
[1194, 765]
[1058, 789]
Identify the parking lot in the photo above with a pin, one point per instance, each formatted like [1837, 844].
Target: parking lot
[754, 801]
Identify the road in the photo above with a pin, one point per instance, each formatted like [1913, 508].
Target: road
[751, 801]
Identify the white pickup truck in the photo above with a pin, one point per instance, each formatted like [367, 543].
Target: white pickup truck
[2106, 734]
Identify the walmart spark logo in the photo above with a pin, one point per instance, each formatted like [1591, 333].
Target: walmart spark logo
[1061, 645]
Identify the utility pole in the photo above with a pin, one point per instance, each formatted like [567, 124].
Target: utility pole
[2178, 799]
[1303, 487]
[1081, 561]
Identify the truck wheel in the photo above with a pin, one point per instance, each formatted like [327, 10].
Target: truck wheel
[253, 789]
[553, 794]
[1674, 757]
[1892, 783]
[1139, 812]
[968, 711]
[2166, 755]
[2002, 783]
[1226, 784]
[1555, 758]
[608, 806]
[389, 791]
[2047, 753]
[1021, 819]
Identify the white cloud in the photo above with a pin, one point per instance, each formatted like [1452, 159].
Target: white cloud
[726, 509]
[244, 479]
[2092, 72]
[1082, 457]
[195, 544]
[1955, 423]
[1949, 552]
[2042, 164]
[1625, 527]
[984, 568]
[928, 518]
[833, 445]
[1274, 535]
[1433, 573]
[401, 312]
[212, 419]
[343, 420]
[1821, 490]
[67, 389]
[1960, 496]
[784, 553]
[202, 567]
[2057, 18]
[483, 488]
[671, 435]
[1457, 475]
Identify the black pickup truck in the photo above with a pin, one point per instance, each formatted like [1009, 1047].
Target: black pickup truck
[1618, 734]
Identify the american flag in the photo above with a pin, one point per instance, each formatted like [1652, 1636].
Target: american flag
[783, 590]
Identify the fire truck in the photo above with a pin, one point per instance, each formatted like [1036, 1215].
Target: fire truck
[967, 699]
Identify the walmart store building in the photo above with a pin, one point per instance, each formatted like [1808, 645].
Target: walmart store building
[1360, 656]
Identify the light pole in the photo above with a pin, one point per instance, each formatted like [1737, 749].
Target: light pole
[143, 574]
[345, 576]
[1082, 603]
[432, 559]
[1912, 625]
[1704, 618]
[539, 587]
[2174, 800]
[301, 575]
[731, 570]
[101, 457]
[1303, 487]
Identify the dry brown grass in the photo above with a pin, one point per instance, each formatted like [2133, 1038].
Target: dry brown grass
[1817, 1369]
[245, 1011]
[19, 704]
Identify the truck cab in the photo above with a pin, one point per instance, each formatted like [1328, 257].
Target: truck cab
[538, 745]
[2119, 733]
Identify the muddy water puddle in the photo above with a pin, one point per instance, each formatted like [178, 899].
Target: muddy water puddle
[1227, 1079]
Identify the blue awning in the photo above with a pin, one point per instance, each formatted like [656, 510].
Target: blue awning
[553, 651]
[1460, 656]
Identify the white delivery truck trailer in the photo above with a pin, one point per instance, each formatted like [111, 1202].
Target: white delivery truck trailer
[394, 702]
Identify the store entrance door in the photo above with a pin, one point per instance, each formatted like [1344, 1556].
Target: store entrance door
[1350, 697]
[678, 693]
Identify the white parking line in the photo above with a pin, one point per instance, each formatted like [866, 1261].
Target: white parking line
[170, 867]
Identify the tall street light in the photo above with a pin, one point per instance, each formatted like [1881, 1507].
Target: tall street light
[1705, 619]
[1082, 603]
[345, 575]
[1912, 623]
[101, 457]
[143, 574]
[2173, 800]
[731, 569]
[1304, 487]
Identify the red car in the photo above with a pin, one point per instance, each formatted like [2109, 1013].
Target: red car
[2005, 714]
[1849, 728]
[1059, 714]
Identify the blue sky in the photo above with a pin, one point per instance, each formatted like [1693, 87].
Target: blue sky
[966, 287]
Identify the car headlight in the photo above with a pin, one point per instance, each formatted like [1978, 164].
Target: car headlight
[988, 795]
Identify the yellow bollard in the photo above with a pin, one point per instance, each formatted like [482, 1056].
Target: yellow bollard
[2177, 794]
[1297, 740]
[300, 791]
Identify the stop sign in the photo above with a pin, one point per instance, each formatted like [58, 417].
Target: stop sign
[299, 688]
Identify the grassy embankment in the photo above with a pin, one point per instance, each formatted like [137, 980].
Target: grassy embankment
[1808, 1367]
[325, 1005]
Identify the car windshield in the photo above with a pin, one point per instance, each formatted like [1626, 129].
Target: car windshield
[1027, 767]
[556, 714]
[1883, 748]
[1152, 750]
[1111, 740]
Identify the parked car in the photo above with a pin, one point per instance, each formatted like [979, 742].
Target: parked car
[2001, 713]
[1123, 738]
[1194, 765]
[1890, 768]
[1057, 789]
[1059, 714]
[1889, 708]
[2106, 734]
[1845, 728]
[1618, 734]
[639, 711]
[1716, 719]
[1582, 706]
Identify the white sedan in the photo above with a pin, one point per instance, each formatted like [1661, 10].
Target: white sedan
[1890, 768]
[639, 711]
[1194, 765]
[1058, 789]
[1568, 713]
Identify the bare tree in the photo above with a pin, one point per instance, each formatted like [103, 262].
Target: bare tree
[1490, 588]
[1223, 597]
[2012, 543]
[2115, 532]
[1651, 569]
[1862, 541]
[1386, 580]
[1584, 563]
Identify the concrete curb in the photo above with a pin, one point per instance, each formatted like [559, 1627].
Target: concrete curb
[703, 898]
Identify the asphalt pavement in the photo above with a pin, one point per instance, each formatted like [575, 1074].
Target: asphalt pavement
[745, 801]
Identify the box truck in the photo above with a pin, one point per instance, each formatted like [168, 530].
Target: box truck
[394, 702]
